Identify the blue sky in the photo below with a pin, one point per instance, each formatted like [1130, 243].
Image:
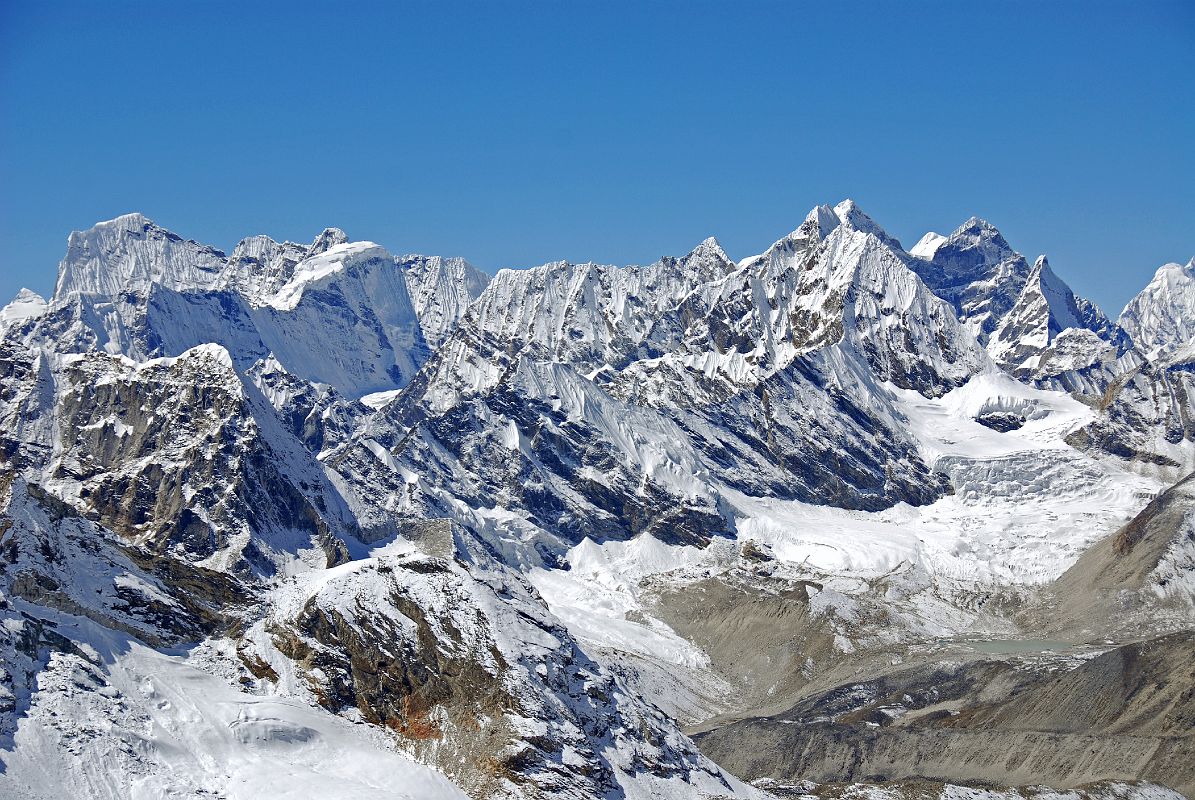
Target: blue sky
[518, 133]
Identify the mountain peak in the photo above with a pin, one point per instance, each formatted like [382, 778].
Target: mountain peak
[441, 290]
[927, 245]
[27, 295]
[1174, 271]
[1044, 311]
[710, 247]
[131, 252]
[820, 221]
[849, 213]
[1161, 318]
[134, 223]
[818, 224]
[327, 240]
[852, 216]
[1055, 291]
[978, 223]
[320, 267]
[25, 305]
[846, 208]
[974, 269]
[980, 232]
[134, 220]
[258, 249]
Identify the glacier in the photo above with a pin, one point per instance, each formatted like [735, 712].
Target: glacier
[319, 519]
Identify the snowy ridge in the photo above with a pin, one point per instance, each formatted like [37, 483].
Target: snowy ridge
[131, 253]
[25, 306]
[316, 516]
[838, 275]
[1161, 319]
[259, 266]
[974, 269]
[441, 290]
[333, 312]
[587, 314]
[1045, 309]
[322, 268]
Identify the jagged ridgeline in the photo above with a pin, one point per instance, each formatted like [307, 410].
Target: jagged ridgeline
[305, 515]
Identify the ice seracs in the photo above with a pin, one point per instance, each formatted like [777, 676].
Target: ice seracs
[349, 483]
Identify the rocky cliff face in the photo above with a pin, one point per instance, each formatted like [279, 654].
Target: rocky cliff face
[1029, 320]
[1045, 310]
[334, 312]
[441, 291]
[347, 493]
[976, 271]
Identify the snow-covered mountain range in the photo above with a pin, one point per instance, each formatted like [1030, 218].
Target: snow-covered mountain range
[322, 520]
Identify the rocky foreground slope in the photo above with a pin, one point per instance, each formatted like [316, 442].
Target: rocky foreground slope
[319, 520]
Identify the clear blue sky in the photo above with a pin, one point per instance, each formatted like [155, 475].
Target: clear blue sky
[514, 134]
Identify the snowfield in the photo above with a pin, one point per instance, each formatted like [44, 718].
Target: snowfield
[1025, 506]
[317, 521]
[133, 722]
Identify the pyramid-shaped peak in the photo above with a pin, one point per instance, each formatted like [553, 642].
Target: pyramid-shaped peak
[1048, 281]
[979, 230]
[849, 213]
[25, 305]
[846, 208]
[928, 245]
[326, 241]
[709, 247]
[818, 224]
[821, 220]
[27, 295]
[978, 223]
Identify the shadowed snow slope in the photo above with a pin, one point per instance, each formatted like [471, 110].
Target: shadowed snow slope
[315, 520]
